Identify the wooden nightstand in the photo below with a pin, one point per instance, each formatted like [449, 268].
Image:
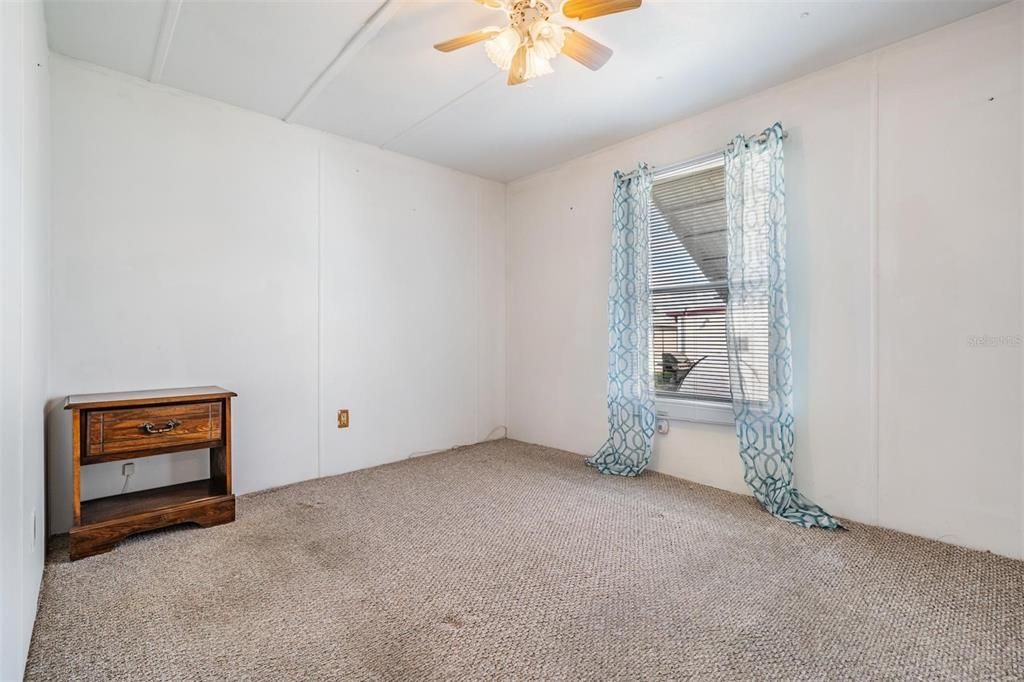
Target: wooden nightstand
[106, 427]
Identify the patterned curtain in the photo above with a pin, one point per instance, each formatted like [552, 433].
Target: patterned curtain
[760, 361]
[631, 416]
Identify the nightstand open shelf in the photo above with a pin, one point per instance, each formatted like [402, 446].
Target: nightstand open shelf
[129, 504]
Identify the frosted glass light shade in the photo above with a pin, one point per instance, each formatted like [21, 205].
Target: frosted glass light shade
[536, 65]
[548, 38]
[502, 47]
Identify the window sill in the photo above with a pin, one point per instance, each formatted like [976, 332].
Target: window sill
[700, 411]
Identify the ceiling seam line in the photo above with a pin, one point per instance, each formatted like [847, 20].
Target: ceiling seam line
[366, 33]
[168, 24]
[437, 111]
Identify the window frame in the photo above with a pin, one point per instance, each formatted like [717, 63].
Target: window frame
[691, 409]
[697, 411]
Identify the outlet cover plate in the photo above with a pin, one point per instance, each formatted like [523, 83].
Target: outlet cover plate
[342, 419]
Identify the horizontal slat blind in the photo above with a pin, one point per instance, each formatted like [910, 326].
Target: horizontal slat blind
[688, 284]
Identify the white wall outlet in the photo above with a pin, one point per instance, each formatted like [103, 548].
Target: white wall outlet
[128, 468]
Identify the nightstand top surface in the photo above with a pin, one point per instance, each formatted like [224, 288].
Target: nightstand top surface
[160, 395]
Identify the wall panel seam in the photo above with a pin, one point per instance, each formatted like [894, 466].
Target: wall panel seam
[478, 309]
[507, 237]
[318, 318]
[874, 284]
[1020, 170]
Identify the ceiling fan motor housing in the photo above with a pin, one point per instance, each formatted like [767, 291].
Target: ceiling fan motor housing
[523, 13]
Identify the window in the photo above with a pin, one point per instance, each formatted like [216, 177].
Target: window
[688, 262]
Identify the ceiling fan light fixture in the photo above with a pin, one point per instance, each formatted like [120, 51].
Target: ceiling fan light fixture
[547, 38]
[501, 48]
[536, 65]
[526, 46]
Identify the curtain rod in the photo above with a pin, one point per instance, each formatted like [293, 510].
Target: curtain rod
[663, 171]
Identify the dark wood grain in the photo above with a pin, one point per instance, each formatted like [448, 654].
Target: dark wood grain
[162, 396]
[101, 537]
[77, 436]
[220, 456]
[130, 504]
[113, 431]
[150, 451]
[109, 426]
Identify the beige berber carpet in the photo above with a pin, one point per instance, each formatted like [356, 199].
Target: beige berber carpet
[511, 561]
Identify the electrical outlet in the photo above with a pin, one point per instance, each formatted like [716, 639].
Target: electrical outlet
[342, 419]
[128, 468]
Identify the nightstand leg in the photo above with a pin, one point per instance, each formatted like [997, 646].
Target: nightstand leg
[220, 457]
[84, 545]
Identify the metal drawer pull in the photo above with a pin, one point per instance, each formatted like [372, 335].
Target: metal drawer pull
[172, 424]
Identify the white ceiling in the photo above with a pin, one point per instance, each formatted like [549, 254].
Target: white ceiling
[673, 58]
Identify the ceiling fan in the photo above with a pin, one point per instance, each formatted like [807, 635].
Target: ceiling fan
[532, 39]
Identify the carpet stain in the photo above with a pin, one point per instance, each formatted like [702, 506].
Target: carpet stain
[452, 623]
[516, 562]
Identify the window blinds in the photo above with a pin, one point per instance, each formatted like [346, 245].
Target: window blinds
[688, 284]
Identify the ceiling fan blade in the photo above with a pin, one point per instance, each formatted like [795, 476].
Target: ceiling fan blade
[588, 9]
[585, 50]
[466, 40]
[517, 71]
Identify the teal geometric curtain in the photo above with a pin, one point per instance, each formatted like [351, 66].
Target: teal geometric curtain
[757, 323]
[631, 416]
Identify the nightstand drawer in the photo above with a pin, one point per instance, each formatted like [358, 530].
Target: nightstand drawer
[116, 433]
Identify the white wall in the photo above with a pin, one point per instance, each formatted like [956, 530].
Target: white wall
[196, 243]
[413, 306]
[904, 198]
[24, 318]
